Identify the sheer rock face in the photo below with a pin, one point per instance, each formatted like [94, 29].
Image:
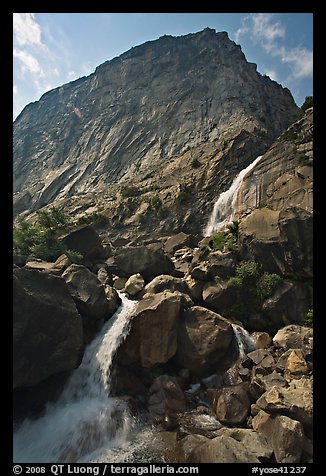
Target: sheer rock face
[140, 109]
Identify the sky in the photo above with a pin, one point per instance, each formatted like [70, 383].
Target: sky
[51, 49]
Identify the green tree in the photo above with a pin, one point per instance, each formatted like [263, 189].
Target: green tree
[40, 239]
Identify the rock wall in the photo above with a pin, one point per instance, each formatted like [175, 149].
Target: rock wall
[154, 102]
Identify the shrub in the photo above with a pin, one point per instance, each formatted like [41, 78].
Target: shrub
[130, 191]
[40, 239]
[195, 164]
[74, 256]
[185, 193]
[224, 241]
[309, 319]
[234, 228]
[254, 287]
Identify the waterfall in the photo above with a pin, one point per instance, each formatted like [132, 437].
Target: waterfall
[223, 211]
[85, 418]
[245, 343]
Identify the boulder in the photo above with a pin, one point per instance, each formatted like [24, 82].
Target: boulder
[222, 265]
[294, 337]
[222, 449]
[204, 339]
[104, 275]
[176, 242]
[88, 294]
[152, 338]
[250, 439]
[195, 288]
[44, 266]
[219, 297]
[112, 298]
[262, 339]
[231, 405]
[281, 240]
[295, 401]
[200, 272]
[84, 240]
[167, 283]
[165, 397]
[296, 365]
[134, 284]
[288, 304]
[263, 357]
[284, 435]
[47, 329]
[149, 261]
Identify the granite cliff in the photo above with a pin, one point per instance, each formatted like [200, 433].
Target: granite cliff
[149, 116]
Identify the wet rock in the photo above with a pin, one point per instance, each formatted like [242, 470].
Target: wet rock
[165, 397]
[152, 338]
[47, 329]
[204, 339]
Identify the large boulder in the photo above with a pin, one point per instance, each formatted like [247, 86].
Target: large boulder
[84, 240]
[295, 401]
[289, 304]
[167, 283]
[250, 439]
[231, 405]
[281, 240]
[222, 449]
[220, 297]
[152, 339]
[89, 296]
[176, 242]
[47, 329]
[294, 337]
[204, 339]
[149, 260]
[284, 435]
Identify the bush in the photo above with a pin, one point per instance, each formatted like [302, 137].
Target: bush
[195, 164]
[254, 287]
[224, 241]
[40, 239]
[185, 193]
[309, 319]
[129, 191]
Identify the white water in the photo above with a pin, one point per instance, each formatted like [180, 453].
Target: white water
[85, 418]
[245, 343]
[223, 211]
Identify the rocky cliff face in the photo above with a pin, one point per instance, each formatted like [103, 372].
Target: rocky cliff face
[151, 111]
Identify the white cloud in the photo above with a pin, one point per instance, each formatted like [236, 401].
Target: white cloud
[265, 29]
[272, 73]
[26, 29]
[29, 62]
[300, 60]
[271, 34]
[15, 89]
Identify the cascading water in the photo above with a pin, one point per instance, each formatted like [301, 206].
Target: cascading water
[223, 211]
[84, 418]
[245, 343]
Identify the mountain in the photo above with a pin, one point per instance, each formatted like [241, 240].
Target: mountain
[186, 111]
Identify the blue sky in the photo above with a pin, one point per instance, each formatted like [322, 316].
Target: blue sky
[50, 49]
